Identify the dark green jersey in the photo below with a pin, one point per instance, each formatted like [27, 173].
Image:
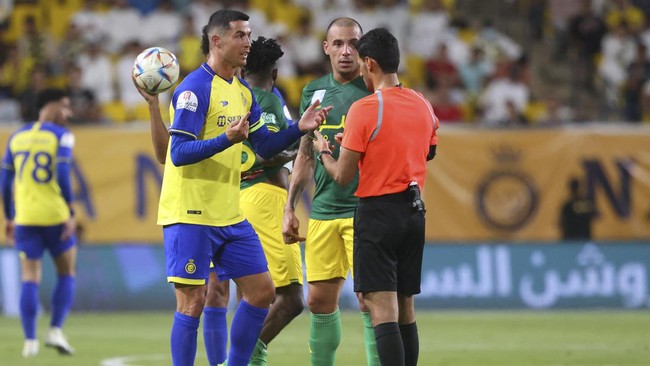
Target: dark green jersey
[331, 200]
[273, 116]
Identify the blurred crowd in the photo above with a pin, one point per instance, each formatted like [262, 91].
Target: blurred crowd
[470, 69]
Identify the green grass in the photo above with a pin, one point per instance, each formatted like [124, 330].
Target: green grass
[518, 338]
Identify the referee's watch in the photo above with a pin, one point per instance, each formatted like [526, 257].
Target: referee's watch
[320, 154]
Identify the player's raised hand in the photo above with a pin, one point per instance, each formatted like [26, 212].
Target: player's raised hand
[238, 130]
[313, 117]
[152, 99]
[290, 226]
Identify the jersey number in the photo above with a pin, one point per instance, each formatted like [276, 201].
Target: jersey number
[42, 172]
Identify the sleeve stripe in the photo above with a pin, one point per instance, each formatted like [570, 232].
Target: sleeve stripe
[62, 159]
[436, 122]
[172, 130]
[256, 126]
[7, 167]
[380, 115]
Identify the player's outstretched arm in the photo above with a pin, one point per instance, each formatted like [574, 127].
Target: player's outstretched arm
[303, 170]
[159, 132]
[6, 185]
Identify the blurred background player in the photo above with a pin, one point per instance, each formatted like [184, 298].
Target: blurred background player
[264, 194]
[390, 138]
[577, 214]
[328, 247]
[37, 197]
[203, 223]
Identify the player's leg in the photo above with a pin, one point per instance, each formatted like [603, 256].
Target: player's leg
[380, 232]
[215, 325]
[188, 251]
[242, 259]
[409, 276]
[30, 248]
[327, 267]
[408, 329]
[384, 309]
[370, 345]
[64, 253]
[263, 205]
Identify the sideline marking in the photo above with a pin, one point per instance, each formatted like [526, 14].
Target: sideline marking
[126, 360]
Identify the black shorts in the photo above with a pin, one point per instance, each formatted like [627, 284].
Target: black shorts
[388, 245]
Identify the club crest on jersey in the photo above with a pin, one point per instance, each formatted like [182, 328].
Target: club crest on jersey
[187, 100]
[244, 100]
[190, 267]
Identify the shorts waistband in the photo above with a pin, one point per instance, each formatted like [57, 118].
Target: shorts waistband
[391, 197]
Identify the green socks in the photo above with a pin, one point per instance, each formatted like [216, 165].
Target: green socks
[324, 338]
[369, 340]
[259, 354]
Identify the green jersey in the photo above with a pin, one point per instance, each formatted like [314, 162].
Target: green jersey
[273, 116]
[331, 200]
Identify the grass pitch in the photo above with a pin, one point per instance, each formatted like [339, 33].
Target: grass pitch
[447, 338]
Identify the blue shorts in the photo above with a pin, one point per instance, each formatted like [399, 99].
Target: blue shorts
[33, 240]
[235, 250]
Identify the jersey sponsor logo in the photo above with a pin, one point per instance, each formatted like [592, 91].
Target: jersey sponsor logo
[224, 103]
[193, 212]
[187, 100]
[190, 267]
[223, 120]
[244, 100]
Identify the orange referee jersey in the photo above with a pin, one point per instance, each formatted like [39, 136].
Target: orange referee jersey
[392, 129]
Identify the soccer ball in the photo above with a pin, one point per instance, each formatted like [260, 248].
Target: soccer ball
[155, 70]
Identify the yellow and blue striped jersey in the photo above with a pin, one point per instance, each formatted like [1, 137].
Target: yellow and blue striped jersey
[206, 192]
[32, 154]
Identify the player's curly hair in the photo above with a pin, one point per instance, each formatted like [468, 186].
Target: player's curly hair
[263, 55]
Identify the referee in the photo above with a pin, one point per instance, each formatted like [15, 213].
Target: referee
[390, 135]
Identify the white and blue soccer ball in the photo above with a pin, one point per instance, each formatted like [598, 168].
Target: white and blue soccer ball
[156, 69]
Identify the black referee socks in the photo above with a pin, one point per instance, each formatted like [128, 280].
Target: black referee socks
[389, 344]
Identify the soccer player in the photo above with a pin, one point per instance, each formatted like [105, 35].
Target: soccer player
[37, 197]
[199, 203]
[328, 249]
[264, 194]
[390, 136]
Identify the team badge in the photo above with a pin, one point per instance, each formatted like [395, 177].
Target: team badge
[190, 267]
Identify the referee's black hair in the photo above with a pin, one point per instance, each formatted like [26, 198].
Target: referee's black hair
[343, 22]
[48, 96]
[263, 55]
[219, 19]
[380, 45]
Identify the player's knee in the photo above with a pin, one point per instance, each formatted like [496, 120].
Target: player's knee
[321, 304]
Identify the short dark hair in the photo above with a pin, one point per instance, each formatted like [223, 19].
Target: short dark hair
[219, 19]
[48, 96]
[380, 45]
[343, 22]
[263, 55]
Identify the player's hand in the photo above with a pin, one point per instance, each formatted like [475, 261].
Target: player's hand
[152, 99]
[238, 130]
[313, 118]
[69, 228]
[9, 231]
[321, 144]
[290, 226]
[338, 138]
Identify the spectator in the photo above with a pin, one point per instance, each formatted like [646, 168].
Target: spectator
[474, 73]
[499, 92]
[586, 34]
[29, 97]
[90, 21]
[619, 50]
[82, 100]
[97, 73]
[638, 74]
[427, 29]
[163, 26]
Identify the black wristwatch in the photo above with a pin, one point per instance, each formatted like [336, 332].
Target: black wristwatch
[321, 153]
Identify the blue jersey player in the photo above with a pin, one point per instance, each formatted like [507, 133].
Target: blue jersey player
[36, 191]
[213, 111]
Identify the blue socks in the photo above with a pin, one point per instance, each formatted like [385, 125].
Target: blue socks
[62, 299]
[183, 339]
[29, 308]
[215, 334]
[244, 332]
